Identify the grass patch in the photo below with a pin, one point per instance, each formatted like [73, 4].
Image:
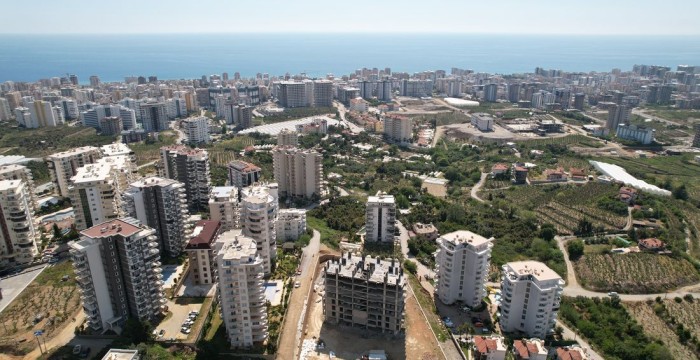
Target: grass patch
[53, 275]
[44, 141]
[214, 325]
[147, 151]
[428, 305]
[329, 236]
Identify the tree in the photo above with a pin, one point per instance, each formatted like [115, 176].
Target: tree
[547, 231]
[137, 332]
[410, 266]
[680, 193]
[575, 249]
[584, 227]
[56, 232]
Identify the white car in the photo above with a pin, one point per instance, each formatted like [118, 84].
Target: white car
[185, 330]
[297, 284]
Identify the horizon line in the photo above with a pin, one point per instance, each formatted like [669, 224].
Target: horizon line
[352, 33]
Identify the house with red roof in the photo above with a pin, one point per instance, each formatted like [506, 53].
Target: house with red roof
[532, 349]
[651, 244]
[571, 353]
[489, 348]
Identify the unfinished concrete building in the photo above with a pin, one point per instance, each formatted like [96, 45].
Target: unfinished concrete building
[365, 292]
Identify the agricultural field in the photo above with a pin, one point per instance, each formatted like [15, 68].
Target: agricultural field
[570, 140]
[672, 114]
[566, 205]
[634, 273]
[56, 302]
[448, 118]
[45, 141]
[686, 313]
[657, 328]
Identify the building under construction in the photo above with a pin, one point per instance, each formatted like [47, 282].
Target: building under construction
[365, 292]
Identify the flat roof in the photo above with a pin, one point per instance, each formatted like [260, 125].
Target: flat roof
[121, 354]
[537, 269]
[74, 151]
[243, 166]
[367, 268]
[153, 181]
[9, 184]
[237, 246]
[116, 149]
[203, 234]
[223, 191]
[466, 237]
[110, 228]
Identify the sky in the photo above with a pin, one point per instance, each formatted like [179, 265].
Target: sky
[590, 17]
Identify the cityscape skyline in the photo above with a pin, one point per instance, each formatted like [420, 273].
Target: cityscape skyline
[406, 17]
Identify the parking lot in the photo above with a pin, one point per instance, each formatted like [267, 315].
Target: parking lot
[12, 286]
[481, 321]
[180, 310]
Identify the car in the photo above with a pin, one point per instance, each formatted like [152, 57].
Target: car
[297, 284]
[85, 352]
[77, 349]
[161, 333]
[194, 312]
[188, 323]
[185, 330]
[53, 260]
[613, 294]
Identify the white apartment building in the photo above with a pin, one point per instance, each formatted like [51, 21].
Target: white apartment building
[5, 111]
[298, 172]
[154, 116]
[95, 190]
[398, 128]
[200, 250]
[42, 114]
[531, 296]
[190, 167]
[23, 116]
[291, 224]
[69, 107]
[119, 149]
[176, 107]
[287, 137]
[162, 205]
[20, 172]
[640, 134]
[240, 270]
[224, 208]
[242, 174]
[380, 219]
[92, 117]
[482, 121]
[119, 273]
[196, 129]
[259, 221]
[19, 231]
[64, 165]
[291, 94]
[359, 105]
[462, 262]
[384, 90]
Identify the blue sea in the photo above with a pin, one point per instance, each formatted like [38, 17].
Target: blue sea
[177, 56]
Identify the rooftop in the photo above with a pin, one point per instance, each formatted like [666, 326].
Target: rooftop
[367, 269]
[224, 192]
[155, 181]
[540, 271]
[466, 237]
[116, 149]
[236, 246]
[203, 234]
[243, 166]
[490, 344]
[121, 354]
[524, 348]
[9, 184]
[381, 198]
[121, 227]
[100, 170]
[73, 152]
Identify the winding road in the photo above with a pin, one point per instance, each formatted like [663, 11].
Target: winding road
[475, 189]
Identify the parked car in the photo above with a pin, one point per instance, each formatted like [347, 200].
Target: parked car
[297, 284]
[77, 349]
[185, 330]
[85, 352]
[613, 294]
[161, 333]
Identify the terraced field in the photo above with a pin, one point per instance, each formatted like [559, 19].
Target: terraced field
[635, 273]
[655, 327]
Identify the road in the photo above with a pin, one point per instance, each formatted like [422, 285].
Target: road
[342, 111]
[643, 113]
[64, 337]
[423, 270]
[181, 138]
[146, 164]
[13, 285]
[475, 189]
[569, 334]
[290, 340]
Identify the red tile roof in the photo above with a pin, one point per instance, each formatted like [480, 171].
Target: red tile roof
[568, 354]
[110, 228]
[206, 237]
[499, 166]
[521, 348]
[485, 345]
[652, 243]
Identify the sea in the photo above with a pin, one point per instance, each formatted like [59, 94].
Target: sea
[186, 56]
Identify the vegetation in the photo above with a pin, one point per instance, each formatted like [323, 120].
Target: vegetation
[610, 328]
[427, 303]
[40, 172]
[423, 250]
[654, 326]
[41, 142]
[575, 249]
[340, 217]
[297, 113]
[149, 150]
[634, 273]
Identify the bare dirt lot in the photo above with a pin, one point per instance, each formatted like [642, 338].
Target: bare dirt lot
[351, 343]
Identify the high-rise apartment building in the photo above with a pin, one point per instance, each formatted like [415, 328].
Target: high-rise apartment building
[531, 296]
[242, 174]
[69, 108]
[64, 165]
[224, 207]
[617, 114]
[162, 205]
[20, 172]
[514, 93]
[119, 273]
[298, 172]
[190, 167]
[42, 114]
[380, 219]
[579, 99]
[288, 137]
[94, 81]
[5, 111]
[291, 94]
[196, 129]
[258, 218]
[18, 232]
[462, 261]
[291, 224]
[364, 292]
[240, 270]
[95, 190]
[154, 116]
[490, 92]
[111, 125]
[176, 107]
[398, 129]
[384, 90]
[323, 93]
[92, 117]
[200, 250]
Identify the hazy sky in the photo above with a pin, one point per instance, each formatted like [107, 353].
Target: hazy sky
[462, 16]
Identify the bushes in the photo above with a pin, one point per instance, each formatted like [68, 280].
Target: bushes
[575, 249]
[410, 266]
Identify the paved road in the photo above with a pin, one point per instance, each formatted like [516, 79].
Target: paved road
[475, 189]
[342, 110]
[146, 164]
[569, 334]
[181, 138]
[291, 332]
[64, 337]
[12, 286]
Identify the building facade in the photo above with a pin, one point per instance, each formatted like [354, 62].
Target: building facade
[196, 130]
[298, 172]
[398, 129]
[18, 230]
[200, 250]
[190, 167]
[380, 219]
[64, 165]
[258, 218]
[242, 174]
[291, 224]
[224, 207]
[240, 272]
[364, 292]
[463, 261]
[162, 205]
[531, 297]
[118, 272]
